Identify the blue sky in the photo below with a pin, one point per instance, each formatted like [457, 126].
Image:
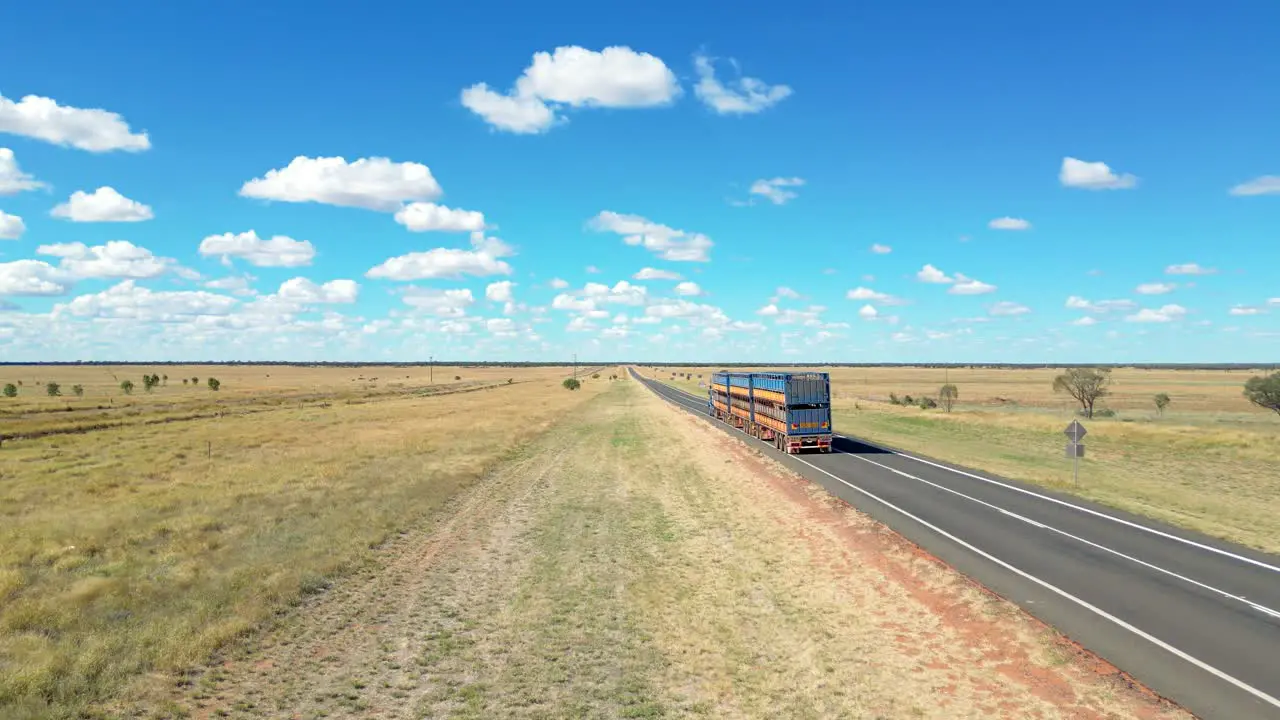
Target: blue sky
[889, 182]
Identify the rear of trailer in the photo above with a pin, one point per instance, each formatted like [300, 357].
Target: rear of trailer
[790, 410]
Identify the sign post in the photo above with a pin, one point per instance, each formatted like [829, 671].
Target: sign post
[1075, 432]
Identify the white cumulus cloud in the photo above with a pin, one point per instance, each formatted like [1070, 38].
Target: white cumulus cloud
[1245, 310]
[558, 283]
[443, 303]
[572, 76]
[867, 312]
[375, 183]
[115, 259]
[302, 290]
[102, 205]
[1155, 288]
[745, 95]
[425, 217]
[94, 130]
[1265, 185]
[279, 251]
[668, 243]
[1075, 302]
[881, 249]
[32, 277]
[1007, 308]
[1188, 269]
[655, 274]
[502, 327]
[866, 293]
[1164, 314]
[481, 261]
[11, 226]
[1009, 223]
[775, 190]
[931, 274]
[1085, 321]
[1093, 176]
[127, 300]
[499, 291]
[12, 179]
[688, 289]
[970, 286]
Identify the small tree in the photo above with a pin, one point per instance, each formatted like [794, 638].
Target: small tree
[147, 384]
[1086, 385]
[510, 380]
[1264, 391]
[195, 381]
[948, 396]
[457, 377]
[1162, 401]
[10, 390]
[78, 390]
[927, 403]
[571, 384]
[53, 389]
[214, 384]
[595, 376]
[184, 381]
[127, 387]
[165, 379]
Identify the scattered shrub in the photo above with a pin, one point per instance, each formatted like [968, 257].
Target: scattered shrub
[928, 403]
[78, 390]
[214, 384]
[53, 389]
[571, 384]
[509, 380]
[457, 377]
[165, 379]
[1097, 413]
[893, 399]
[10, 390]
[127, 387]
[595, 376]
[908, 400]
[184, 381]
[948, 396]
[1162, 401]
[195, 381]
[1264, 391]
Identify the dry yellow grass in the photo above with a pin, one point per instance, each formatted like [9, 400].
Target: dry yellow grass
[129, 550]
[634, 562]
[1208, 464]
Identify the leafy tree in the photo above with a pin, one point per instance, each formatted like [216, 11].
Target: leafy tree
[1264, 391]
[10, 390]
[195, 381]
[1162, 401]
[184, 381]
[53, 389]
[948, 396]
[571, 384]
[457, 377]
[1086, 385]
[165, 378]
[148, 382]
[78, 390]
[214, 384]
[127, 387]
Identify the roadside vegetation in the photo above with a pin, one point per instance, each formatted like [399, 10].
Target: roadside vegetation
[1196, 448]
[634, 562]
[132, 550]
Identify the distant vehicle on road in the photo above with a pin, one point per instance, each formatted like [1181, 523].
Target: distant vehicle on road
[791, 410]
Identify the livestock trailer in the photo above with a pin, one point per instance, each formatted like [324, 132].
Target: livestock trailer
[790, 410]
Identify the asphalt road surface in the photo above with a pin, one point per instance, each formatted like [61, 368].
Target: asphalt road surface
[1193, 618]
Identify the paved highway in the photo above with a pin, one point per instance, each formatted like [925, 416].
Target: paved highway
[1193, 618]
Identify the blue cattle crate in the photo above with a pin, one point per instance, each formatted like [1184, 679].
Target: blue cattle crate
[809, 421]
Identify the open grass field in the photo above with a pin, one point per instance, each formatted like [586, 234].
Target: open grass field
[633, 562]
[148, 530]
[1209, 463]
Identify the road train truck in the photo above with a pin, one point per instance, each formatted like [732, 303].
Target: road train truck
[790, 410]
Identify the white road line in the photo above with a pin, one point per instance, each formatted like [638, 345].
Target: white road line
[1112, 518]
[1052, 588]
[1105, 516]
[1090, 543]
